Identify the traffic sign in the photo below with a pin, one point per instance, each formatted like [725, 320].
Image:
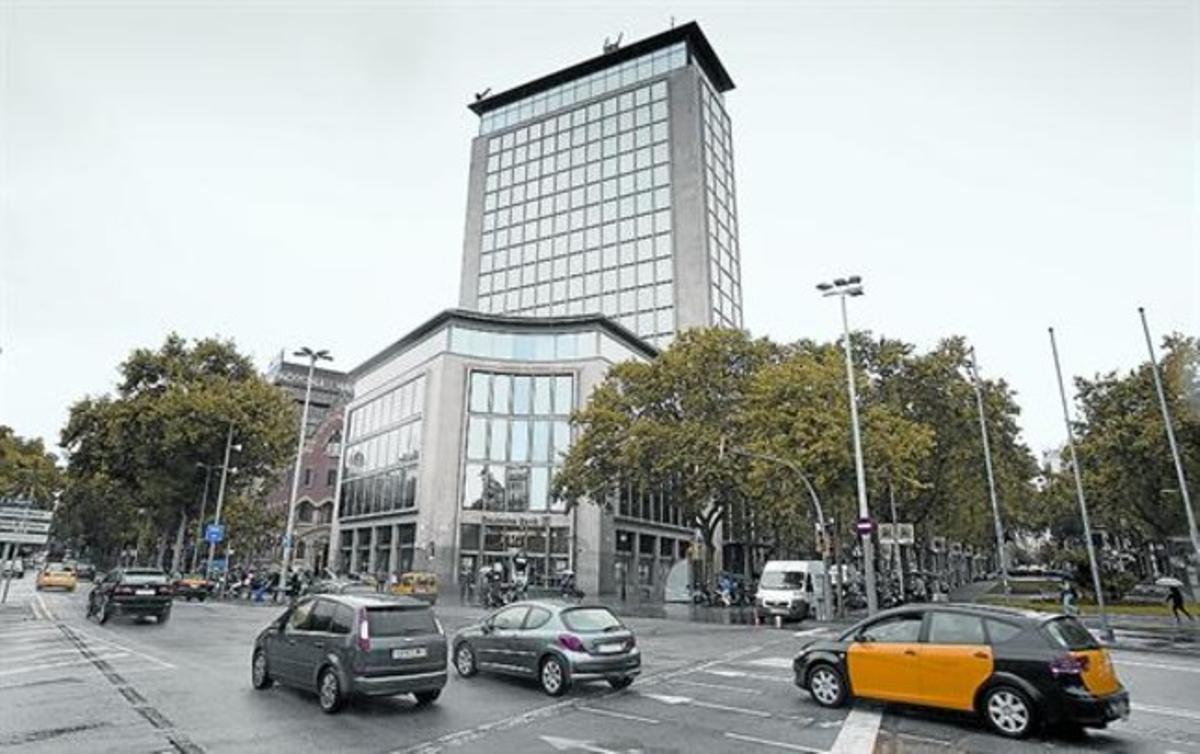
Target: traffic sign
[21, 523]
[865, 526]
[214, 533]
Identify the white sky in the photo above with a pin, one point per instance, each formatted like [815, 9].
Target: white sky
[289, 173]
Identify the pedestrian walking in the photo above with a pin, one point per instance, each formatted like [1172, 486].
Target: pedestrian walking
[1175, 597]
[1069, 599]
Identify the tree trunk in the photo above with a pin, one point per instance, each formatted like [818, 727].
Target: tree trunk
[177, 553]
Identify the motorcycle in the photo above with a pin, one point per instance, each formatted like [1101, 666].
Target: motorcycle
[567, 588]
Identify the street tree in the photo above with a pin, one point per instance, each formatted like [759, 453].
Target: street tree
[136, 452]
[27, 470]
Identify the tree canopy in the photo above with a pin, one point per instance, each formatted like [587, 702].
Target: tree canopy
[135, 455]
[27, 470]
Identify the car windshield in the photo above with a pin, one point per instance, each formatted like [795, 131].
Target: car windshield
[1069, 633]
[782, 580]
[60, 567]
[145, 577]
[400, 621]
[590, 620]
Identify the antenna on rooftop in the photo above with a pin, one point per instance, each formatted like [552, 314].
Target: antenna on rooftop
[612, 46]
[481, 95]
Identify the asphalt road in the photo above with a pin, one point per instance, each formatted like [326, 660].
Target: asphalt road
[67, 684]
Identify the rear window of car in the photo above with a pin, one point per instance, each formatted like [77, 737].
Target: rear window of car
[58, 567]
[400, 621]
[145, 577]
[590, 619]
[1069, 633]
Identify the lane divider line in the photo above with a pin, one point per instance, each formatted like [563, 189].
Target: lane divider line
[622, 715]
[859, 731]
[773, 744]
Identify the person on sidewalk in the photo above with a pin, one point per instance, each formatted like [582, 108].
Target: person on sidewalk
[1069, 599]
[1175, 597]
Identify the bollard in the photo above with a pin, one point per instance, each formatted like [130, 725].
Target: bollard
[778, 621]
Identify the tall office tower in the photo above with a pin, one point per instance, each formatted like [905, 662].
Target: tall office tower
[607, 187]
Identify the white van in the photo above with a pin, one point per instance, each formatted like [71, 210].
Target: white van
[789, 588]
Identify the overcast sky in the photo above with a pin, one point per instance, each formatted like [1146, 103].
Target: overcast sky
[294, 173]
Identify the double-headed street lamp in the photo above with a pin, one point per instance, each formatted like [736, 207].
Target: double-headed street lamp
[842, 288]
[313, 357]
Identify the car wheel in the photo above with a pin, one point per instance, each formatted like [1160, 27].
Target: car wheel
[553, 676]
[259, 677]
[1008, 711]
[827, 686]
[164, 616]
[329, 691]
[619, 683]
[427, 697]
[105, 614]
[464, 660]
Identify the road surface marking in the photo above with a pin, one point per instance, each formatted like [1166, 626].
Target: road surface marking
[925, 739]
[859, 731]
[773, 744]
[811, 631]
[66, 663]
[28, 631]
[1159, 666]
[93, 637]
[622, 715]
[570, 744]
[39, 655]
[1166, 711]
[718, 687]
[685, 700]
[770, 662]
[743, 674]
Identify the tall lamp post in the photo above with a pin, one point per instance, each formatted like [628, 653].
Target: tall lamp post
[313, 357]
[212, 545]
[208, 469]
[1162, 402]
[1083, 510]
[1002, 560]
[842, 288]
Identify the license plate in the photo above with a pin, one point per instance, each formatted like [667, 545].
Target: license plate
[144, 592]
[610, 649]
[408, 654]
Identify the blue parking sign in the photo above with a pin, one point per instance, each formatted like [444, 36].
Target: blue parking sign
[214, 533]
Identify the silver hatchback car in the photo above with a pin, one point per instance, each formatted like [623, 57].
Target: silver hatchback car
[558, 643]
[346, 645]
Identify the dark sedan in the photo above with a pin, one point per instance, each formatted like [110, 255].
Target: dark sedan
[1015, 669]
[345, 645]
[140, 592]
[558, 643]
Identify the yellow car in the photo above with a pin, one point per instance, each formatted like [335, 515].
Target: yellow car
[421, 585]
[57, 576]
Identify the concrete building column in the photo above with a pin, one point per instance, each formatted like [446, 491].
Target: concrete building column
[394, 553]
[354, 536]
[372, 566]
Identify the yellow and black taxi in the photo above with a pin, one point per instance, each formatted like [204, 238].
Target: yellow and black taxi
[56, 575]
[1018, 670]
[423, 586]
[192, 586]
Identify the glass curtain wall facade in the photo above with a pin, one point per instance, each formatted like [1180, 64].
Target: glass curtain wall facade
[382, 466]
[577, 215]
[517, 430]
[721, 210]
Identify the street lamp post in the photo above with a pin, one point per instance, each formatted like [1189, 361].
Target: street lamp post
[1083, 510]
[313, 357]
[203, 505]
[842, 288]
[212, 546]
[973, 367]
[1162, 402]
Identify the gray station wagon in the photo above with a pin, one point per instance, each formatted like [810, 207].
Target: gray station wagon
[341, 646]
[558, 643]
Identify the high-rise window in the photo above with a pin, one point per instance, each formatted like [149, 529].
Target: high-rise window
[721, 210]
[577, 215]
[382, 465]
[517, 431]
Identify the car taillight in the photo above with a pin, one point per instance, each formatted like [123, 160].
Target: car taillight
[571, 642]
[164, 589]
[438, 623]
[632, 642]
[363, 641]
[123, 590]
[1068, 665]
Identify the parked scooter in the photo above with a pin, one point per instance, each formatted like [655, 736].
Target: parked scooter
[567, 587]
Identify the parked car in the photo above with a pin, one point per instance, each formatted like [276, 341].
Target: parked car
[558, 643]
[1016, 669]
[1147, 593]
[85, 571]
[14, 568]
[341, 646]
[341, 586]
[57, 575]
[192, 586]
[140, 592]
